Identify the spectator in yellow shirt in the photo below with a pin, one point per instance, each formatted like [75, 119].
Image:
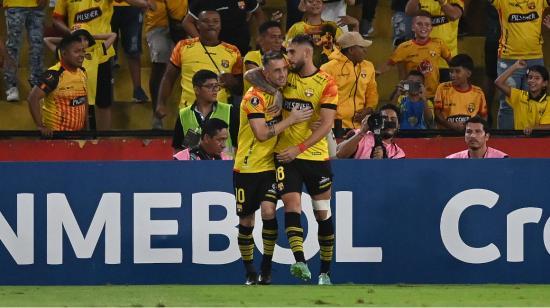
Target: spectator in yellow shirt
[530, 106]
[355, 77]
[457, 101]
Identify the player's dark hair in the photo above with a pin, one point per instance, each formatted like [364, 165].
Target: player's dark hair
[303, 39]
[480, 120]
[211, 127]
[202, 76]
[271, 55]
[462, 60]
[268, 25]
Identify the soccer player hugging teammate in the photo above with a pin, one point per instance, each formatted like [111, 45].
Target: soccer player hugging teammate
[254, 170]
[302, 154]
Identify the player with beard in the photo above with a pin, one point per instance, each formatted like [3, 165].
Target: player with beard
[302, 153]
[476, 136]
[254, 170]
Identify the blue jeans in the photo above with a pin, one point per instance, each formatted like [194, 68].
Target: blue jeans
[517, 80]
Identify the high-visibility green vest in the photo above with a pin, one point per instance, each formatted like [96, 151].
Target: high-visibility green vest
[189, 121]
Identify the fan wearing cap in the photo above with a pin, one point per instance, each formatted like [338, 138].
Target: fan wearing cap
[94, 52]
[63, 90]
[355, 77]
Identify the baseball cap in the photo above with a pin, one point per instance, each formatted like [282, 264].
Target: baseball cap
[350, 39]
[83, 29]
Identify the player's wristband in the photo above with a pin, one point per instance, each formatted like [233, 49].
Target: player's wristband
[302, 147]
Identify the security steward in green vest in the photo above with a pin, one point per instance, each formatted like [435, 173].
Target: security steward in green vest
[187, 131]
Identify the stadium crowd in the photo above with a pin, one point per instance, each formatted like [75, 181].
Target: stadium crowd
[285, 107]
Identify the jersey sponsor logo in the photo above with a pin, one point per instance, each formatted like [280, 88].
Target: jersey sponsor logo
[439, 20]
[78, 101]
[513, 18]
[459, 118]
[290, 104]
[254, 101]
[87, 15]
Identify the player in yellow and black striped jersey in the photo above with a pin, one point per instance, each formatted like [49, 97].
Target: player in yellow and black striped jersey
[254, 170]
[302, 154]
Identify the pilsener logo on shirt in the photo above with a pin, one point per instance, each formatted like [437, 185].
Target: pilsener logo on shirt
[87, 15]
[523, 17]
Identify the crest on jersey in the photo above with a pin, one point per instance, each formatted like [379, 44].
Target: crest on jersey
[471, 107]
[280, 186]
[432, 53]
[88, 56]
[308, 92]
[531, 5]
[255, 101]
[363, 74]
[225, 63]
[241, 5]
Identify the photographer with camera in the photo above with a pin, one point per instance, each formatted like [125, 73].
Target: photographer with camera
[417, 112]
[375, 139]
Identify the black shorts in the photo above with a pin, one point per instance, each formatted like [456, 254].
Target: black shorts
[316, 175]
[251, 189]
[104, 92]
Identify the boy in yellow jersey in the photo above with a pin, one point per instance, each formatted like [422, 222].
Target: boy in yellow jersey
[458, 100]
[303, 155]
[94, 52]
[520, 39]
[270, 39]
[530, 107]
[254, 170]
[445, 16]
[64, 91]
[97, 15]
[422, 54]
[324, 33]
[203, 52]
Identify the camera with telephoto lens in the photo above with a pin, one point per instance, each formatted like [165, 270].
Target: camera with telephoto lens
[377, 123]
[412, 86]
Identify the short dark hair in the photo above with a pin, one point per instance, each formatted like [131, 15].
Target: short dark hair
[539, 69]
[480, 120]
[68, 40]
[211, 127]
[390, 107]
[268, 25]
[202, 76]
[416, 73]
[462, 60]
[303, 39]
[271, 55]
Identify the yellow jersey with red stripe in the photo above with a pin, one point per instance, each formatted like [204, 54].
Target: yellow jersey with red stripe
[254, 155]
[191, 56]
[520, 23]
[424, 58]
[64, 106]
[459, 106]
[95, 13]
[316, 91]
[528, 112]
[442, 27]
[324, 37]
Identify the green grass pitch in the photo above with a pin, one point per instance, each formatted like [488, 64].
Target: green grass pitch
[277, 295]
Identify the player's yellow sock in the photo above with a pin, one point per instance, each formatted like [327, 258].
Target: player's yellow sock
[295, 235]
[325, 235]
[246, 246]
